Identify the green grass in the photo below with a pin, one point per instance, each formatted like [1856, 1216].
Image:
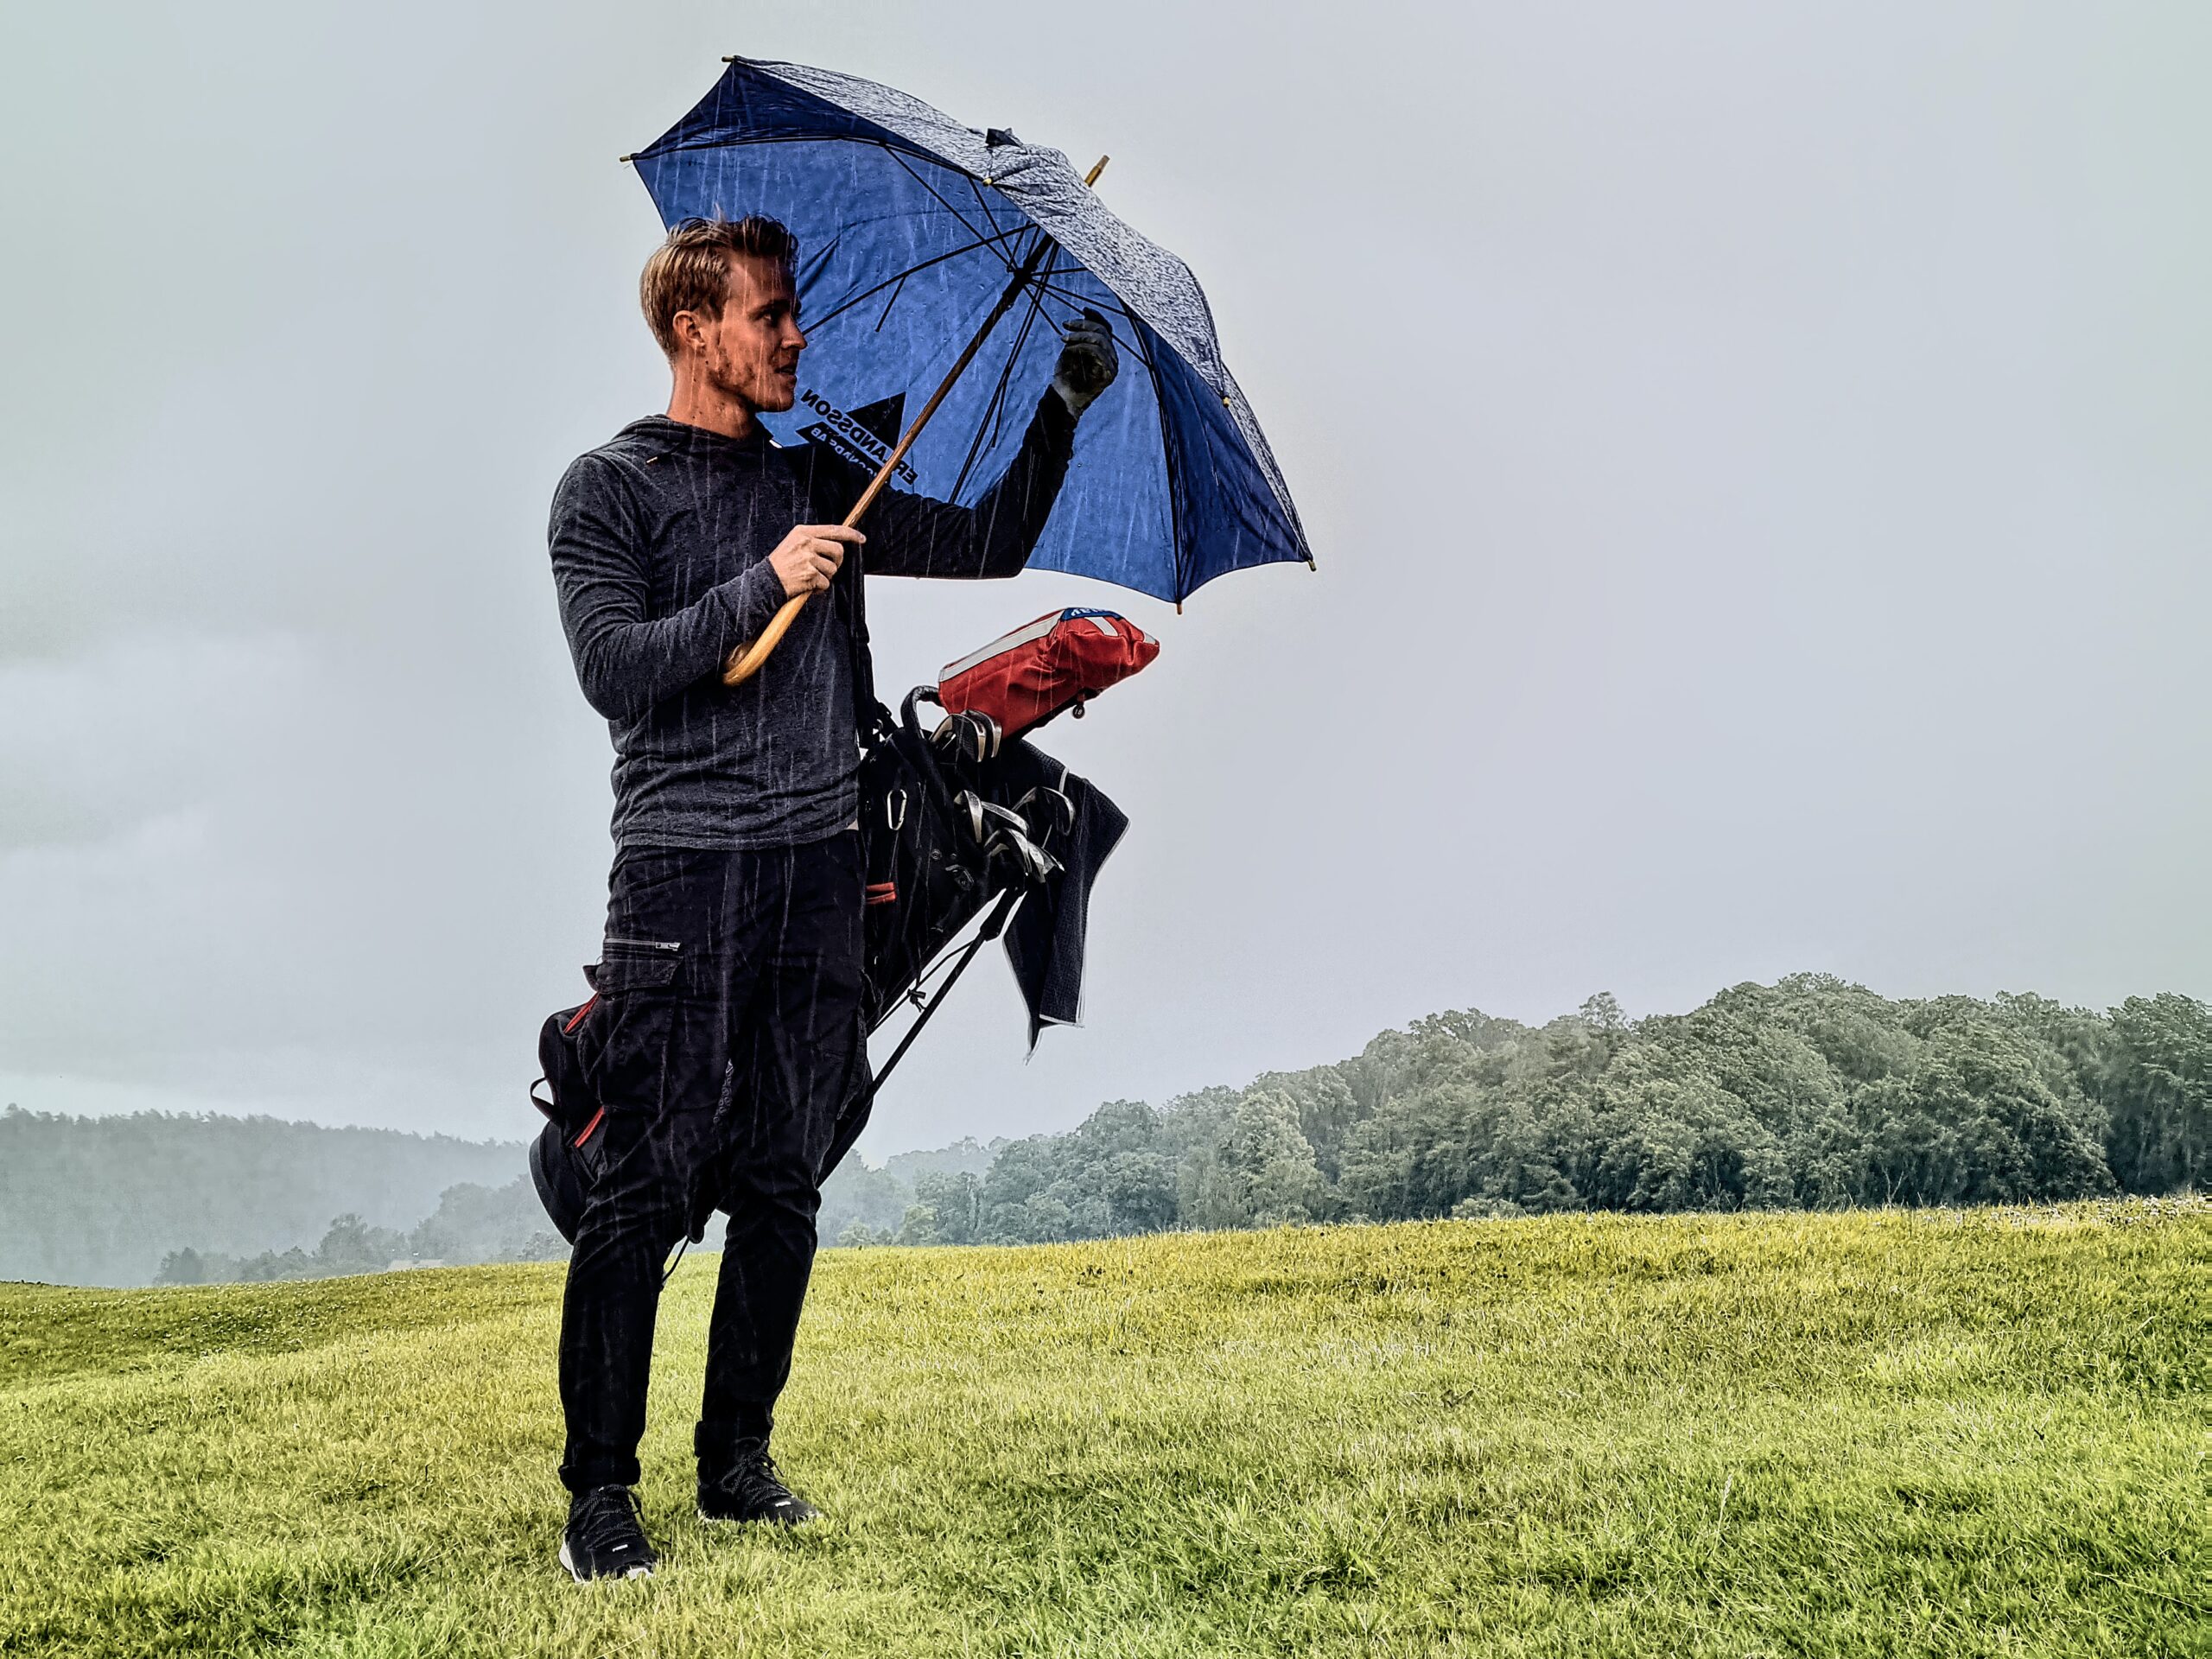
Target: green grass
[1972, 1433]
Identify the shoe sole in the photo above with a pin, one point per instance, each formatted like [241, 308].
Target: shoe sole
[757, 1519]
[569, 1561]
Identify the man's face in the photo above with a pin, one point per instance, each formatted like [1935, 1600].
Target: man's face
[751, 352]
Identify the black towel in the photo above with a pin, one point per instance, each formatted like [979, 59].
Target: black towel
[1045, 941]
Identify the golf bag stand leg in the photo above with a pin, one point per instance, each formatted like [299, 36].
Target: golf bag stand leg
[855, 1115]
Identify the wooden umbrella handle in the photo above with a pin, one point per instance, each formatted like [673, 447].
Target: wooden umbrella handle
[745, 662]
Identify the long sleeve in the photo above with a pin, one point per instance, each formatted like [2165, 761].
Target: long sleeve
[914, 535]
[627, 661]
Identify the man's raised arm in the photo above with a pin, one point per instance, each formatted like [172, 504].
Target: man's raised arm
[915, 536]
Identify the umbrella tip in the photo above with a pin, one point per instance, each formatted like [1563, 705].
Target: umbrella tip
[625, 161]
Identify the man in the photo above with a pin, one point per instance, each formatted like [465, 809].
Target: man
[728, 1034]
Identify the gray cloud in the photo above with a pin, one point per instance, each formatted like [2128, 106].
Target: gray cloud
[1756, 458]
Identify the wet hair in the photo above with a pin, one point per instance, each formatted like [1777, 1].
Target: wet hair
[690, 271]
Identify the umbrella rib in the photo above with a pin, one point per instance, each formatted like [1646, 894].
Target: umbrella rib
[995, 412]
[977, 191]
[893, 300]
[894, 151]
[990, 413]
[1069, 297]
[1006, 378]
[1046, 280]
[997, 237]
[997, 234]
[1066, 296]
[1166, 452]
[867, 294]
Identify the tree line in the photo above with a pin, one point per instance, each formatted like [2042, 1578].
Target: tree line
[1808, 1094]
[101, 1201]
[472, 1224]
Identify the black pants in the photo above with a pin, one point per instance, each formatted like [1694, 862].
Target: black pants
[731, 984]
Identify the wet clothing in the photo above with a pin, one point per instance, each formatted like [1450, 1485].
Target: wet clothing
[660, 540]
[740, 965]
[731, 973]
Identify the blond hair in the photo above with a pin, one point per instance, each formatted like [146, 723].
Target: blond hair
[690, 271]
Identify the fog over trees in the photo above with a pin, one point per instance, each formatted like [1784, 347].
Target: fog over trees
[1808, 1094]
[472, 1224]
[101, 1201]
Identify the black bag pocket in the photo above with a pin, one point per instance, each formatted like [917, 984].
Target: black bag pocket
[573, 1112]
[630, 998]
[556, 1173]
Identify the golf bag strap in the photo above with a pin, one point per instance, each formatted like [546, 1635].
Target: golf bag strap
[850, 596]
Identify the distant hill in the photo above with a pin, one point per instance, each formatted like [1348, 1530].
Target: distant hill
[102, 1200]
[1808, 1094]
[118, 1200]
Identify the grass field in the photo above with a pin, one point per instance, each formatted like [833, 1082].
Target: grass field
[1972, 1433]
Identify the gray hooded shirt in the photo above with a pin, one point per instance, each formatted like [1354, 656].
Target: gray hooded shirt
[660, 542]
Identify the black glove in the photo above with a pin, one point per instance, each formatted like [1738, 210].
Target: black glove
[1088, 362]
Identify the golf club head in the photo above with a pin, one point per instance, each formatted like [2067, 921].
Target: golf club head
[1047, 812]
[970, 806]
[1031, 863]
[969, 737]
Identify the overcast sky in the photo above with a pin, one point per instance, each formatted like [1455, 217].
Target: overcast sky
[1760, 460]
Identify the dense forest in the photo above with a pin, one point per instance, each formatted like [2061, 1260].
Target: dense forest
[1810, 1093]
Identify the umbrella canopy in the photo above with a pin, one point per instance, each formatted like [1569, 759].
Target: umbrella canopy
[911, 227]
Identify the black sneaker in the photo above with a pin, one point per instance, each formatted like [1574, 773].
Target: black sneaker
[751, 1489]
[603, 1540]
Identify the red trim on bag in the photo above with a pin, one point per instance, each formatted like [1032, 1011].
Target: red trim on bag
[881, 893]
[590, 1126]
[577, 1018]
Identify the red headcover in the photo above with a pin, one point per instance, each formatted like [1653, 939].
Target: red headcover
[1026, 677]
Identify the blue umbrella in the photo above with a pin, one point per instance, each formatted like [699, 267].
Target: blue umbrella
[937, 267]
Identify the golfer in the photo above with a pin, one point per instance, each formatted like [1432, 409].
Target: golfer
[728, 1034]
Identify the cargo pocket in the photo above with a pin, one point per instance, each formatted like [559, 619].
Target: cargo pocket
[636, 980]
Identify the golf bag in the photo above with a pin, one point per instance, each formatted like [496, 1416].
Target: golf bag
[572, 1111]
[953, 823]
